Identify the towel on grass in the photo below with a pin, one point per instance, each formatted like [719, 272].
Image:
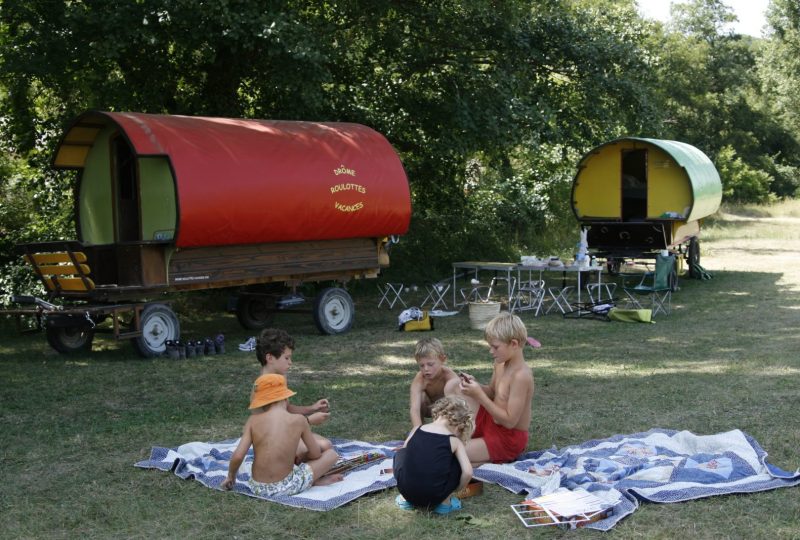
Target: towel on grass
[658, 466]
[208, 464]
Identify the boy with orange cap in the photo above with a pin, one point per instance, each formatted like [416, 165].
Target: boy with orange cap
[274, 433]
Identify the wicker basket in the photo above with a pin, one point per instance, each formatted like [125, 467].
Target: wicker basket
[480, 313]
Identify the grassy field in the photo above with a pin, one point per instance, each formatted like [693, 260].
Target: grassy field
[727, 357]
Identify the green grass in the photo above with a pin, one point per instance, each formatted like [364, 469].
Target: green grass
[728, 357]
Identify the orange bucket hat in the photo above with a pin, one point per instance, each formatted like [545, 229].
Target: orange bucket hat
[269, 389]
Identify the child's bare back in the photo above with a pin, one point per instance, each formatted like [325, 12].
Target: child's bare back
[274, 434]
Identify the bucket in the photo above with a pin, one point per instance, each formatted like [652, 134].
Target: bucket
[480, 313]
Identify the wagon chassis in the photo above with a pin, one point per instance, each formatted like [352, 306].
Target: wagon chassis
[71, 328]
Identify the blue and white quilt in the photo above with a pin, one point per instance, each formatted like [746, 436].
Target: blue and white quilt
[659, 466]
[208, 464]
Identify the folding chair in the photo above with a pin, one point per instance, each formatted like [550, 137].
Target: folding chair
[596, 291]
[476, 293]
[390, 293]
[560, 299]
[483, 293]
[437, 292]
[510, 287]
[658, 285]
[529, 296]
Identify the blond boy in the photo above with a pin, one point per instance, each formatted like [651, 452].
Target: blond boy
[503, 407]
[429, 382]
[274, 434]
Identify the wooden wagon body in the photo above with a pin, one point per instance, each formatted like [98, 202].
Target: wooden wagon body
[175, 203]
[639, 196]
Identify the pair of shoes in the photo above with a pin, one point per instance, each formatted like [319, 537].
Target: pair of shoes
[402, 503]
[249, 345]
[444, 509]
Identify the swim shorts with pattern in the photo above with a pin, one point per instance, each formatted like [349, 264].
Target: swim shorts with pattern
[300, 479]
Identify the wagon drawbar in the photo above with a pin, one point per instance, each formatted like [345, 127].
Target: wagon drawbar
[178, 203]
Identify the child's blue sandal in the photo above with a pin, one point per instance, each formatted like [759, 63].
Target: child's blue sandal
[444, 509]
[402, 503]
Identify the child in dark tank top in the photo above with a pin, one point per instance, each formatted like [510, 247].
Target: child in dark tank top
[433, 462]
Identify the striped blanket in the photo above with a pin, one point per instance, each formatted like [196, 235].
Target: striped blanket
[208, 464]
[658, 466]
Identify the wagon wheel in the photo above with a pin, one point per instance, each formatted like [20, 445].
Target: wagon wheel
[334, 311]
[693, 257]
[158, 324]
[70, 339]
[255, 312]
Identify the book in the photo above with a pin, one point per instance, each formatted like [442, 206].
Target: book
[573, 508]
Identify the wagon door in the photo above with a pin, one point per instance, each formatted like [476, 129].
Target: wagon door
[126, 191]
[634, 185]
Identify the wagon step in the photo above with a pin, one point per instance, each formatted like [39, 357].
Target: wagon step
[26, 299]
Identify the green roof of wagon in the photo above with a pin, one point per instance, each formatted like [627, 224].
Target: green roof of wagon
[703, 176]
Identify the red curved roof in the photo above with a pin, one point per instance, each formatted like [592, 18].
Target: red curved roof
[256, 181]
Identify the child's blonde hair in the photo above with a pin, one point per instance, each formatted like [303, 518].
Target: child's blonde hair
[506, 327]
[427, 347]
[456, 411]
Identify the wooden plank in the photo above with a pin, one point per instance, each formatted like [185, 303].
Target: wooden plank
[69, 283]
[267, 262]
[54, 258]
[64, 269]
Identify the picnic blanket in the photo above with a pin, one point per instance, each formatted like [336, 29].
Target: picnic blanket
[208, 464]
[658, 466]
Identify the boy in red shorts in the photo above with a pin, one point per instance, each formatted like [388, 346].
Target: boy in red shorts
[503, 407]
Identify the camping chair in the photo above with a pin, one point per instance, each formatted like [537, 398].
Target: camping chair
[560, 299]
[529, 296]
[658, 285]
[390, 293]
[437, 292]
[596, 292]
[482, 293]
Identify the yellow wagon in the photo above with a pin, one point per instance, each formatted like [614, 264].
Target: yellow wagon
[639, 196]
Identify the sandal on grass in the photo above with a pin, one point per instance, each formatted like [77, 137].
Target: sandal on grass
[403, 504]
[444, 509]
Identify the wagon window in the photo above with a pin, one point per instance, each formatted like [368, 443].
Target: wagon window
[634, 185]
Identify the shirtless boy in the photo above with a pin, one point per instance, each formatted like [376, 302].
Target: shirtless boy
[503, 407]
[274, 349]
[274, 433]
[429, 383]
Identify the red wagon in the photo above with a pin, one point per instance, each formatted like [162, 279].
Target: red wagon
[177, 203]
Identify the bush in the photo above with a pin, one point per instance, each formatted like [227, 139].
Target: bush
[740, 182]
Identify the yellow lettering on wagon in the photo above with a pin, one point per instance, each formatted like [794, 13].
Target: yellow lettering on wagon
[348, 207]
[344, 170]
[348, 187]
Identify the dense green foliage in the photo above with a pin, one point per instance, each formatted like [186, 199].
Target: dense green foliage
[490, 104]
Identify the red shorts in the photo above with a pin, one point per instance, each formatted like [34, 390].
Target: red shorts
[504, 444]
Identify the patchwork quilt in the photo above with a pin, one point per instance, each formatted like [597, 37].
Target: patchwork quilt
[660, 465]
